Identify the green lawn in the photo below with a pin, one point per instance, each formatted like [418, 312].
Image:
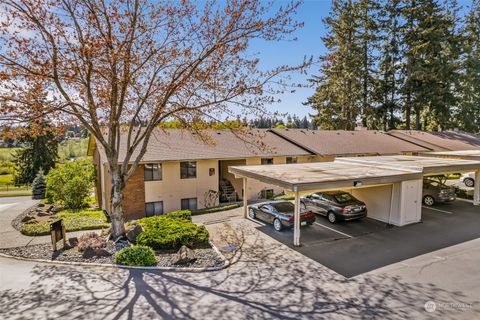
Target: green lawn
[6, 184]
[75, 220]
[6, 154]
[72, 149]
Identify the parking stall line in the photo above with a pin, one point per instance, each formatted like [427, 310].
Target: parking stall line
[444, 211]
[321, 225]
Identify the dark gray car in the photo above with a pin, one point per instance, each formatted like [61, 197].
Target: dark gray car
[335, 205]
[436, 192]
[280, 213]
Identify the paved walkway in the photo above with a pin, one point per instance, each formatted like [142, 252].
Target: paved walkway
[267, 280]
[10, 208]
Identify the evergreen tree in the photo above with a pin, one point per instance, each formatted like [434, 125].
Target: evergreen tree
[39, 186]
[389, 69]
[40, 152]
[338, 96]
[468, 115]
[431, 64]
[367, 36]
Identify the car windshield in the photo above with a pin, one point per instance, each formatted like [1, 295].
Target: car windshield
[283, 207]
[344, 197]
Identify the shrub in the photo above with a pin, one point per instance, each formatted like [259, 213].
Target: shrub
[215, 209]
[91, 240]
[38, 191]
[171, 231]
[70, 184]
[136, 256]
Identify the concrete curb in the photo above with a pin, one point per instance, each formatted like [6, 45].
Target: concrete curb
[465, 200]
[226, 264]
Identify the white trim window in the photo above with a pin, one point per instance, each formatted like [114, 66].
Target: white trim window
[152, 172]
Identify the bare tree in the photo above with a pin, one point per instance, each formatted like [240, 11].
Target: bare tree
[123, 67]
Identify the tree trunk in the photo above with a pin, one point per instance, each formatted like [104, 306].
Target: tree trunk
[116, 206]
[408, 110]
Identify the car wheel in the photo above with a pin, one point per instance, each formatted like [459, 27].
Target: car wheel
[251, 213]
[277, 225]
[469, 182]
[428, 201]
[332, 217]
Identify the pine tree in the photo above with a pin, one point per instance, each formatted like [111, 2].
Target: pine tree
[367, 36]
[39, 186]
[431, 64]
[40, 152]
[468, 115]
[338, 96]
[387, 87]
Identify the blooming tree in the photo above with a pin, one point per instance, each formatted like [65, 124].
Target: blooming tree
[123, 67]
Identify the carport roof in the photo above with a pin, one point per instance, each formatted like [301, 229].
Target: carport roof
[428, 165]
[462, 154]
[345, 172]
[322, 175]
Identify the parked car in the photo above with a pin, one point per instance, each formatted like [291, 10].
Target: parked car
[436, 192]
[335, 205]
[468, 179]
[280, 213]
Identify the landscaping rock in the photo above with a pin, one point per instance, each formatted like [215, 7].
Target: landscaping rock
[27, 218]
[185, 255]
[41, 205]
[90, 253]
[133, 233]
[121, 243]
[73, 242]
[42, 214]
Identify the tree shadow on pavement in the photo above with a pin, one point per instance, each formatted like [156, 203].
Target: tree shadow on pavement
[265, 281]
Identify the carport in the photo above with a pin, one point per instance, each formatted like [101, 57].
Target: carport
[404, 172]
[464, 155]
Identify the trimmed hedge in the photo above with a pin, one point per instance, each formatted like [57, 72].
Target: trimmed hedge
[140, 256]
[216, 209]
[284, 197]
[171, 231]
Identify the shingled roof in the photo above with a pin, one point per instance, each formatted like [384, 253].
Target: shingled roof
[178, 144]
[340, 142]
[439, 141]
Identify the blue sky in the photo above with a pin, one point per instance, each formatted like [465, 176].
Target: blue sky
[309, 43]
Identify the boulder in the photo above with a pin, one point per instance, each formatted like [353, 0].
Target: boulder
[73, 242]
[41, 205]
[133, 233]
[42, 213]
[27, 218]
[90, 253]
[121, 243]
[185, 255]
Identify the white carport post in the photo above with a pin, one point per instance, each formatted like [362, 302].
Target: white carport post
[245, 200]
[296, 219]
[476, 191]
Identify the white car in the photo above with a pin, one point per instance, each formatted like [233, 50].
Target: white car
[468, 179]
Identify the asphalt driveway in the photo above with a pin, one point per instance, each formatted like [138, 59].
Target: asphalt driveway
[356, 247]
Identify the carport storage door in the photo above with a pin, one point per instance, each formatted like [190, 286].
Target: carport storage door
[377, 199]
[411, 201]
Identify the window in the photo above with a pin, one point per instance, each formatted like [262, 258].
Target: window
[188, 170]
[152, 172]
[291, 160]
[153, 208]
[267, 160]
[189, 204]
[266, 194]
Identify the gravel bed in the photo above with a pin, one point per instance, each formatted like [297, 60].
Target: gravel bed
[205, 257]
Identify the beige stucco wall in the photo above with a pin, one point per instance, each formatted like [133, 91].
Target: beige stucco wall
[171, 189]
